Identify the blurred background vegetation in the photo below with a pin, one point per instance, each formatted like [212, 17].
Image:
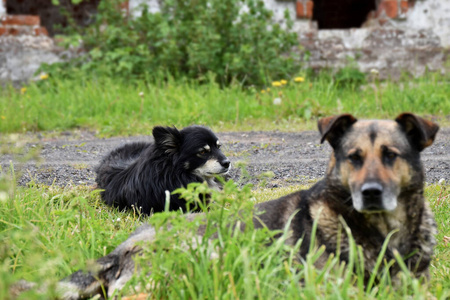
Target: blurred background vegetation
[234, 40]
[224, 64]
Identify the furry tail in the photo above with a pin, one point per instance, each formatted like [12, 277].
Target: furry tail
[110, 273]
[106, 276]
[103, 281]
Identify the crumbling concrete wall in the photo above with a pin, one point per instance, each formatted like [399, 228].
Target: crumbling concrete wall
[21, 56]
[430, 15]
[388, 50]
[400, 35]
[24, 46]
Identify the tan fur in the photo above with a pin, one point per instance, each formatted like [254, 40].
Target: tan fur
[328, 220]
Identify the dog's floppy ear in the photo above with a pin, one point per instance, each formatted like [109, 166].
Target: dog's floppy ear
[332, 128]
[420, 132]
[167, 139]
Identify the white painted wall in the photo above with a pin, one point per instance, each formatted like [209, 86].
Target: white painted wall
[2, 8]
[432, 15]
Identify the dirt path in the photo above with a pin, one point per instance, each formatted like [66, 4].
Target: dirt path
[294, 158]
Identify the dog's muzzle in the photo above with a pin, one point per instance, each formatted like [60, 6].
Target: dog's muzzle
[372, 196]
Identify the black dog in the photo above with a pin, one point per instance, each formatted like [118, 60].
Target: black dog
[139, 174]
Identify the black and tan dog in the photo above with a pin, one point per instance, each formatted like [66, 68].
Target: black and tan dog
[138, 175]
[374, 183]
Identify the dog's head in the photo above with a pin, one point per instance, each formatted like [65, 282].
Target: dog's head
[376, 160]
[195, 148]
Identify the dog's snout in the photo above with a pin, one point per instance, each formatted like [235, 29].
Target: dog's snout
[372, 190]
[225, 163]
[372, 193]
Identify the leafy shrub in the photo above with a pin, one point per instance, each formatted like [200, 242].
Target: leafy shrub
[232, 40]
[350, 76]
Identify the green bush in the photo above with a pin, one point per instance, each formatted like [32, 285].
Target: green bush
[230, 40]
[350, 76]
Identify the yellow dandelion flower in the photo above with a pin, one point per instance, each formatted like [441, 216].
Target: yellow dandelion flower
[268, 89]
[276, 83]
[23, 90]
[263, 91]
[2, 117]
[283, 82]
[43, 76]
[299, 79]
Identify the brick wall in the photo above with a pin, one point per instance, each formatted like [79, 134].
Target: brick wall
[21, 25]
[394, 9]
[52, 17]
[305, 9]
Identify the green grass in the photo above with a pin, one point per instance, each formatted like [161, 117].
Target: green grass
[116, 108]
[48, 232]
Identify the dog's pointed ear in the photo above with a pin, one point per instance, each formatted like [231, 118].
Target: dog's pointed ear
[167, 139]
[333, 128]
[420, 132]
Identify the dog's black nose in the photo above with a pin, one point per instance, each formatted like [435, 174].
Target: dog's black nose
[225, 163]
[372, 193]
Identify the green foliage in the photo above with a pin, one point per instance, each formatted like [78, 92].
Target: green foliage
[232, 39]
[47, 232]
[440, 266]
[350, 77]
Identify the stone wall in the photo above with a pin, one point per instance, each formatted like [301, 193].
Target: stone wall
[398, 36]
[25, 43]
[24, 46]
[393, 35]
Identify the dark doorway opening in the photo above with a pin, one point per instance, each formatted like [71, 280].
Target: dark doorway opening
[342, 14]
[55, 17]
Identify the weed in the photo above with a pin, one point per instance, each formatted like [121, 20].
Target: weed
[115, 108]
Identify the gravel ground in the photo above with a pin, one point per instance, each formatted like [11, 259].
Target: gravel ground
[291, 158]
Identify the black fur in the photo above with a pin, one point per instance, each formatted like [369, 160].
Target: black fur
[137, 175]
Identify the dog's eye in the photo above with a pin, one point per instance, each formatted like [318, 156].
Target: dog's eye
[202, 152]
[355, 158]
[389, 156]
